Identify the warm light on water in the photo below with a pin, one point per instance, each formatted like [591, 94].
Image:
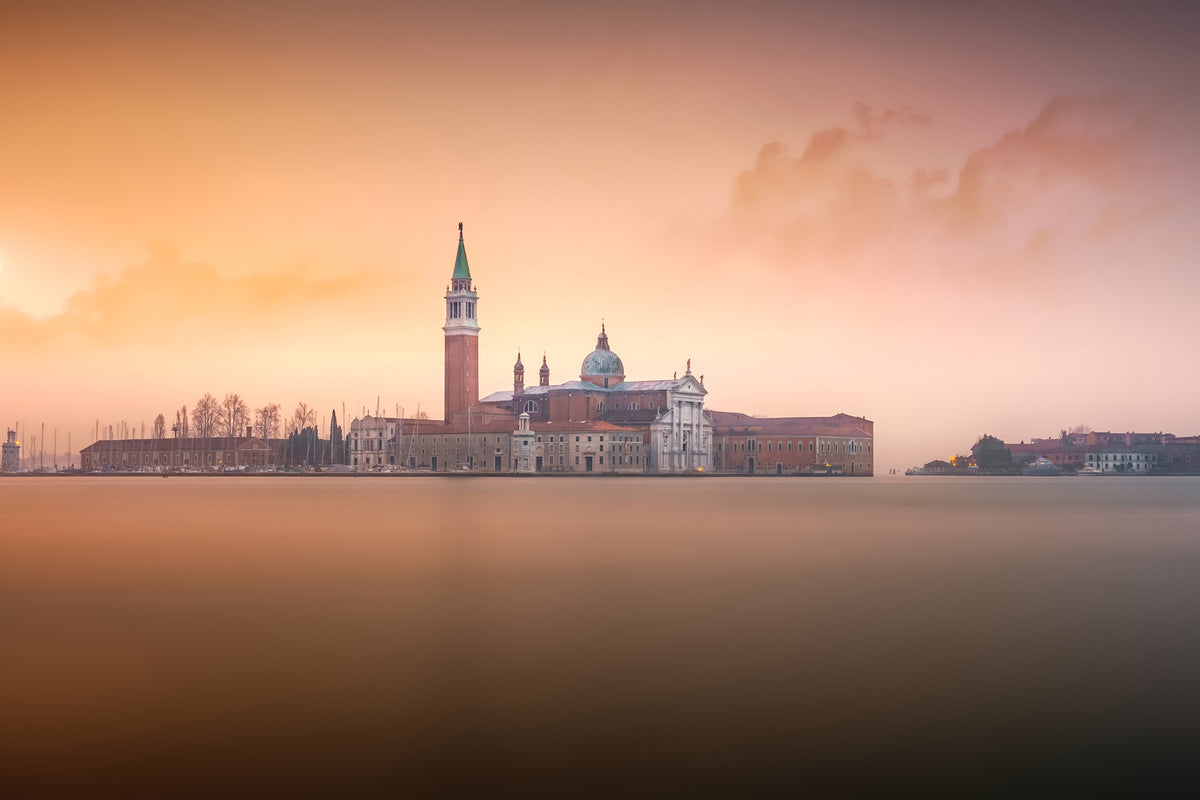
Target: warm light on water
[578, 634]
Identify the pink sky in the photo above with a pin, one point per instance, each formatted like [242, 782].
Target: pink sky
[949, 221]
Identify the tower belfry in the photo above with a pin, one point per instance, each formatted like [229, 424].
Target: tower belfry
[462, 338]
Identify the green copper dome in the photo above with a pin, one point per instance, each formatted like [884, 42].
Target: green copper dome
[602, 361]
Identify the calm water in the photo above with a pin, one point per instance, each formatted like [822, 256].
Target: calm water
[597, 636]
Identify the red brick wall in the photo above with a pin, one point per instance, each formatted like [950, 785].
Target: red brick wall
[462, 374]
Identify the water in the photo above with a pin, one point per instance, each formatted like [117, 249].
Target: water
[593, 636]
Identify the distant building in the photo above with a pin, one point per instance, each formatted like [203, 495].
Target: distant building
[10, 453]
[1124, 461]
[841, 444]
[599, 423]
[1128, 453]
[212, 454]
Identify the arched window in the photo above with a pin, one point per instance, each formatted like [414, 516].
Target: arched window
[600, 407]
[633, 406]
[530, 407]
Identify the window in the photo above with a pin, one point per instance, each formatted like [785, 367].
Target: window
[633, 406]
[530, 407]
[600, 405]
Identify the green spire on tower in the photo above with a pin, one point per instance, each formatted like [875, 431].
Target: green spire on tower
[461, 270]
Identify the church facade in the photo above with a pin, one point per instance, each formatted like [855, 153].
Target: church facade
[601, 423]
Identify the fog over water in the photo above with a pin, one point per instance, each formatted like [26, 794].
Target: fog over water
[589, 635]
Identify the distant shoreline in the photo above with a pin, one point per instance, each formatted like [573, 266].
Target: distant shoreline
[414, 475]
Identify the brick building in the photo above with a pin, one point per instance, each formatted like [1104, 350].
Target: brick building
[841, 444]
[212, 454]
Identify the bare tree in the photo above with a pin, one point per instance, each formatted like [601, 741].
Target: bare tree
[204, 416]
[234, 415]
[159, 431]
[303, 417]
[181, 422]
[266, 421]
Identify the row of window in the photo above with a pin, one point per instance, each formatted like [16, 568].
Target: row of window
[826, 447]
[458, 309]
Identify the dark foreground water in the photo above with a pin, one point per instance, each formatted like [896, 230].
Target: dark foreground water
[596, 636]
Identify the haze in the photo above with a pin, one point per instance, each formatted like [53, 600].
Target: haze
[951, 219]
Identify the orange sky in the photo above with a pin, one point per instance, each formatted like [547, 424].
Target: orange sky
[951, 221]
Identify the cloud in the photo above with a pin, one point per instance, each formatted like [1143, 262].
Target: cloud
[1073, 141]
[164, 294]
[1031, 203]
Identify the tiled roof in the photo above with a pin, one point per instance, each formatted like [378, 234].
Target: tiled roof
[647, 386]
[837, 425]
[499, 397]
[177, 445]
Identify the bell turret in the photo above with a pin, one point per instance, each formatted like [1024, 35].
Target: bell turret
[518, 378]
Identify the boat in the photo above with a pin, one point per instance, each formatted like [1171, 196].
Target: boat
[1089, 471]
[1042, 466]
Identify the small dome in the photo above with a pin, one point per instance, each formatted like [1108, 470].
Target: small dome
[545, 370]
[518, 367]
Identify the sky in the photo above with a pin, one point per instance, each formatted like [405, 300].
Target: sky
[952, 218]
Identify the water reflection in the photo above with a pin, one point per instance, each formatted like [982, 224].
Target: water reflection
[484, 635]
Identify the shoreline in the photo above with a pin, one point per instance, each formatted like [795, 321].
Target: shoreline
[413, 475]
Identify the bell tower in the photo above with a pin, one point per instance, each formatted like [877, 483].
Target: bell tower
[518, 378]
[462, 338]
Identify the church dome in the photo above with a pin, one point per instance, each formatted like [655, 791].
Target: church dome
[602, 362]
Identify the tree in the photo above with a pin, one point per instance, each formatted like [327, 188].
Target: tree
[266, 421]
[181, 422]
[159, 431]
[337, 448]
[234, 416]
[303, 417]
[302, 446]
[204, 416]
[990, 453]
